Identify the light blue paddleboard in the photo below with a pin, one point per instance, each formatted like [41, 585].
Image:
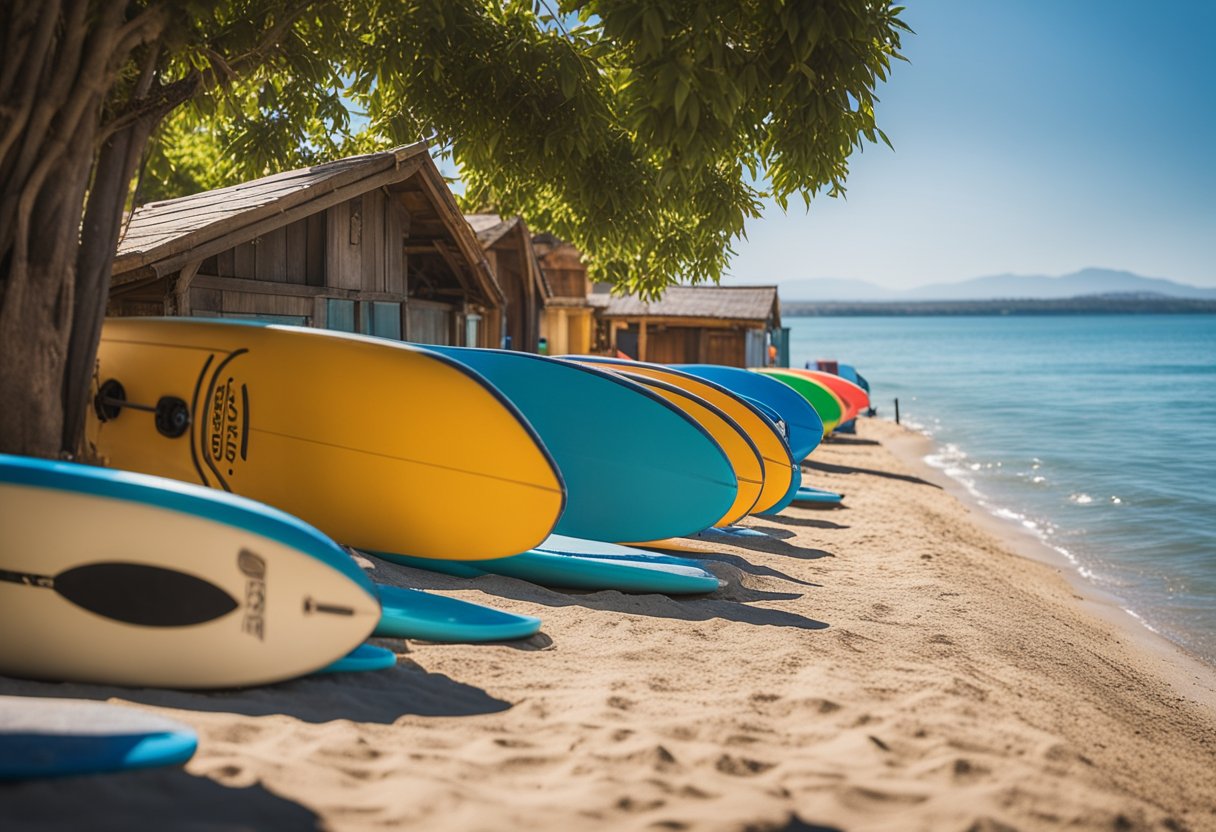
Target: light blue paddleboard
[60, 737]
[559, 544]
[363, 658]
[807, 494]
[412, 613]
[566, 570]
[726, 532]
[803, 425]
[635, 466]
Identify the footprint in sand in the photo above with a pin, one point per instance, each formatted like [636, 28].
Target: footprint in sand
[620, 703]
[629, 804]
[741, 766]
[865, 799]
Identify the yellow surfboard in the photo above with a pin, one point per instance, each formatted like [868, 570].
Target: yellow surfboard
[775, 454]
[380, 445]
[739, 449]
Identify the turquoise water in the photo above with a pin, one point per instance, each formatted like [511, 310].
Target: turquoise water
[1096, 433]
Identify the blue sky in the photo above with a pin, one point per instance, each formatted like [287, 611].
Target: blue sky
[1032, 137]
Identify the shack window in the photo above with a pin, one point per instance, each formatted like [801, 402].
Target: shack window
[340, 315]
[382, 319]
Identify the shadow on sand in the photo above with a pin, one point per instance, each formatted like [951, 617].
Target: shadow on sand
[804, 521]
[380, 697]
[773, 543]
[747, 567]
[122, 801]
[828, 468]
[728, 604]
[835, 439]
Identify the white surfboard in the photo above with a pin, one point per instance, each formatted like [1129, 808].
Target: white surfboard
[119, 578]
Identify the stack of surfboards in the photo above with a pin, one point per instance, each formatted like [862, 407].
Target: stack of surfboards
[385, 447]
[205, 555]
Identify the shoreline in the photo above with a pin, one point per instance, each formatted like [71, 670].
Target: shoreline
[1188, 673]
[893, 665]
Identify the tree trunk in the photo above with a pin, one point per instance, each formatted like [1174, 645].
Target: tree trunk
[60, 60]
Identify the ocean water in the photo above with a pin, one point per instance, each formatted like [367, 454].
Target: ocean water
[1095, 433]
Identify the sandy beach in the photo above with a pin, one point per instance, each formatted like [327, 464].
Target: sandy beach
[904, 663]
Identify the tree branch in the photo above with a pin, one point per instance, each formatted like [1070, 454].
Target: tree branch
[25, 77]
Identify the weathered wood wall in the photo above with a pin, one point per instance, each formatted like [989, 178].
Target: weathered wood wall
[430, 322]
[353, 250]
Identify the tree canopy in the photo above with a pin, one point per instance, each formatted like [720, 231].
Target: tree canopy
[645, 132]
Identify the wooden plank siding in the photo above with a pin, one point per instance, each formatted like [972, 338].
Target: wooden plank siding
[721, 347]
[270, 256]
[429, 322]
[396, 223]
[297, 252]
[671, 345]
[306, 245]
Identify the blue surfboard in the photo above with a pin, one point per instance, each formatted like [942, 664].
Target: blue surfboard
[60, 737]
[363, 658]
[635, 467]
[803, 425]
[568, 570]
[412, 613]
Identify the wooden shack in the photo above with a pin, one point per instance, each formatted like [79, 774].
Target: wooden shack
[566, 325]
[372, 244]
[507, 245]
[733, 325]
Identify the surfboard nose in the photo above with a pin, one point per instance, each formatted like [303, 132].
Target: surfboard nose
[379, 444]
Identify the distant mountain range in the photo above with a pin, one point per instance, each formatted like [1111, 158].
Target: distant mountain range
[1087, 282]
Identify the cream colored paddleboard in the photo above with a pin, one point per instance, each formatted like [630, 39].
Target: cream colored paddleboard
[379, 445]
[110, 577]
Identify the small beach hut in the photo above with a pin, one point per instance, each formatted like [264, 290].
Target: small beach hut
[730, 325]
[372, 243]
[507, 245]
[567, 322]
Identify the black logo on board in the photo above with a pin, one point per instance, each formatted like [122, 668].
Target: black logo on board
[223, 437]
[253, 568]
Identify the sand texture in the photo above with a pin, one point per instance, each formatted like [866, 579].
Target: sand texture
[892, 665]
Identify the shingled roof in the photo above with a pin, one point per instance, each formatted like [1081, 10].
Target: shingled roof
[162, 236]
[490, 228]
[743, 303]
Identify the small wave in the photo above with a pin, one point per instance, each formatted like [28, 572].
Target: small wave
[1080, 499]
[1116, 500]
[1141, 619]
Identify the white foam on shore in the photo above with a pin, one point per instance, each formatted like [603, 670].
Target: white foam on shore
[955, 463]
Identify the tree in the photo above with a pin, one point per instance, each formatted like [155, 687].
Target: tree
[641, 130]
